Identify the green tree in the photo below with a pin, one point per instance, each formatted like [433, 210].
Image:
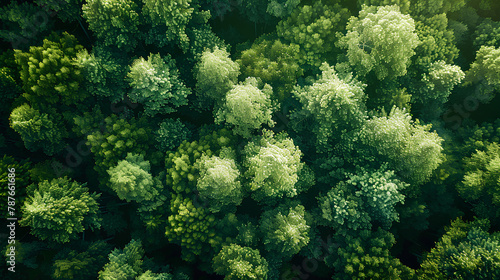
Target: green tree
[274, 63]
[60, 209]
[170, 134]
[67, 10]
[410, 148]
[480, 185]
[465, 251]
[335, 103]
[367, 256]
[216, 74]
[404, 5]
[124, 264]
[487, 34]
[114, 22]
[38, 130]
[273, 165]
[168, 19]
[218, 182]
[24, 25]
[21, 180]
[484, 71]
[314, 28]
[432, 7]
[281, 8]
[48, 72]
[155, 83]
[131, 179]
[285, 230]
[236, 262]
[381, 39]
[247, 108]
[364, 200]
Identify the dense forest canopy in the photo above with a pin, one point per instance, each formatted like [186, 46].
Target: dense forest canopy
[250, 139]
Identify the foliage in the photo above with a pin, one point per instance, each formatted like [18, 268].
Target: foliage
[335, 103]
[21, 180]
[367, 198]
[480, 182]
[409, 148]
[216, 74]
[236, 262]
[274, 63]
[487, 34]
[367, 256]
[247, 108]
[67, 10]
[465, 251]
[484, 70]
[38, 130]
[155, 83]
[114, 22]
[380, 39]
[170, 134]
[124, 264]
[432, 7]
[23, 25]
[273, 165]
[404, 5]
[285, 230]
[60, 209]
[219, 183]
[314, 29]
[48, 72]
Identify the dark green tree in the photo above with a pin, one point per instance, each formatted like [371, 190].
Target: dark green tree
[236, 262]
[124, 264]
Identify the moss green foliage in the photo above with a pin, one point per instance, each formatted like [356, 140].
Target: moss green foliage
[432, 7]
[409, 147]
[336, 105]
[38, 130]
[484, 70]
[131, 179]
[487, 34]
[60, 209]
[66, 10]
[155, 83]
[466, 250]
[216, 74]
[191, 227]
[168, 19]
[273, 165]
[114, 22]
[23, 24]
[124, 264]
[236, 262]
[219, 181]
[285, 230]
[48, 72]
[404, 5]
[274, 63]
[247, 108]
[314, 28]
[367, 256]
[380, 39]
[20, 180]
[170, 134]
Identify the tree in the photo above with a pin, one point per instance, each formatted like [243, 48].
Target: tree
[155, 83]
[21, 179]
[381, 39]
[124, 264]
[24, 27]
[367, 256]
[432, 7]
[114, 22]
[168, 19]
[247, 108]
[274, 63]
[335, 103]
[364, 200]
[67, 10]
[314, 28]
[285, 230]
[465, 251]
[480, 182]
[38, 130]
[404, 5]
[131, 179]
[170, 134]
[487, 34]
[216, 74]
[236, 262]
[60, 209]
[48, 72]
[485, 70]
[218, 182]
[281, 8]
[273, 165]
[409, 148]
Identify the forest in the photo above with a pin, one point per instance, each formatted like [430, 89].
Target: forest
[250, 139]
